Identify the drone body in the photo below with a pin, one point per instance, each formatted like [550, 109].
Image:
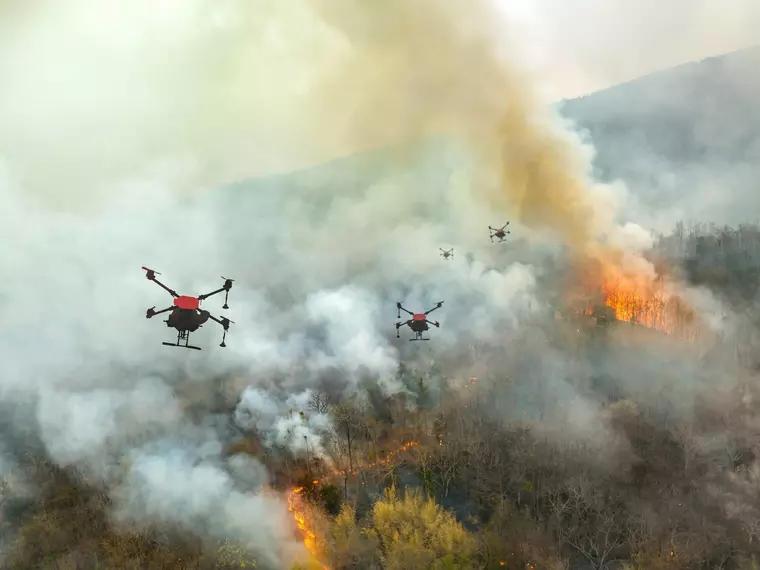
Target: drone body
[447, 253]
[186, 315]
[418, 323]
[499, 233]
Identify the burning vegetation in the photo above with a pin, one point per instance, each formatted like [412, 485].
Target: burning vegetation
[649, 305]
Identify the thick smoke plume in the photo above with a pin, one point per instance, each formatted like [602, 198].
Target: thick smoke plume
[115, 136]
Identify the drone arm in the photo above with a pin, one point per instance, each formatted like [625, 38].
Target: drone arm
[225, 324]
[434, 323]
[207, 295]
[400, 307]
[151, 313]
[171, 292]
[437, 306]
[223, 321]
[226, 288]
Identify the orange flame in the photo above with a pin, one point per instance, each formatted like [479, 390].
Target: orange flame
[295, 506]
[649, 304]
[406, 446]
[300, 517]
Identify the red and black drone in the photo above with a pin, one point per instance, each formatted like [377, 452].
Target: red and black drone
[500, 233]
[447, 253]
[186, 316]
[418, 323]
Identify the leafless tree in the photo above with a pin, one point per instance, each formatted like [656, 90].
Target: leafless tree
[319, 402]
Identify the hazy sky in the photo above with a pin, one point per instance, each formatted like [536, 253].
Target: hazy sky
[579, 46]
[229, 88]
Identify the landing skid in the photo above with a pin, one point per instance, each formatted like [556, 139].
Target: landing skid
[182, 335]
[181, 345]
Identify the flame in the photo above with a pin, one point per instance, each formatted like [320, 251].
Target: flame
[633, 292]
[648, 303]
[296, 508]
[637, 303]
[300, 517]
[406, 446]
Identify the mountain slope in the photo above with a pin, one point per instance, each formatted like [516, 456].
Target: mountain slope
[685, 140]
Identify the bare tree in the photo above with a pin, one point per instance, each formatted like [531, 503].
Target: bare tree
[592, 525]
[319, 402]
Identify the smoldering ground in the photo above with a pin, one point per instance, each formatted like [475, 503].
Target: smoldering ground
[319, 257]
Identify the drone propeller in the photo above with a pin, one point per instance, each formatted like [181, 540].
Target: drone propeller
[150, 273]
[227, 286]
[225, 324]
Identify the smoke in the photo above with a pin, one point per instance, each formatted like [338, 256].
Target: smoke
[175, 485]
[561, 40]
[288, 423]
[117, 135]
[667, 144]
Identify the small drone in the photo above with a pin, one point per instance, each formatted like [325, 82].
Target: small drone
[418, 323]
[447, 253]
[186, 316]
[500, 233]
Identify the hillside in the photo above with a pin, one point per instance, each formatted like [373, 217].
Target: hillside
[685, 140]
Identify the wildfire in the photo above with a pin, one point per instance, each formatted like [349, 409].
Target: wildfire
[648, 304]
[635, 304]
[296, 508]
[300, 516]
[406, 446]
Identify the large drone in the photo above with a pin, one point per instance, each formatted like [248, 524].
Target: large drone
[418, 323]
[186, 316]
[500, 233]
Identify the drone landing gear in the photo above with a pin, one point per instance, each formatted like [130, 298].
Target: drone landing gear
[181, 345]
[182, 335]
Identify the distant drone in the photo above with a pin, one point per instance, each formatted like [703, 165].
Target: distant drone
[447, 253]
[186, 316]
[418, 323]
[500, 233]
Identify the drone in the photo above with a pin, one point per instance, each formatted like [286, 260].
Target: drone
[447, 253]
[186, 316]
[418, 323]
[500, 233]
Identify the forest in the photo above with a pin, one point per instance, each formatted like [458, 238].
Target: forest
[442, 475]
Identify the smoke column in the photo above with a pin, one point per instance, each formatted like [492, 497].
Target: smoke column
[119, 127]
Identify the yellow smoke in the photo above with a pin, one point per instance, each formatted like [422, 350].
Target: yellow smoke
[205, 92]
[413, 68]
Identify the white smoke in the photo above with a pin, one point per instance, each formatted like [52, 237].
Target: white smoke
[288, 423]
[116, 134]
